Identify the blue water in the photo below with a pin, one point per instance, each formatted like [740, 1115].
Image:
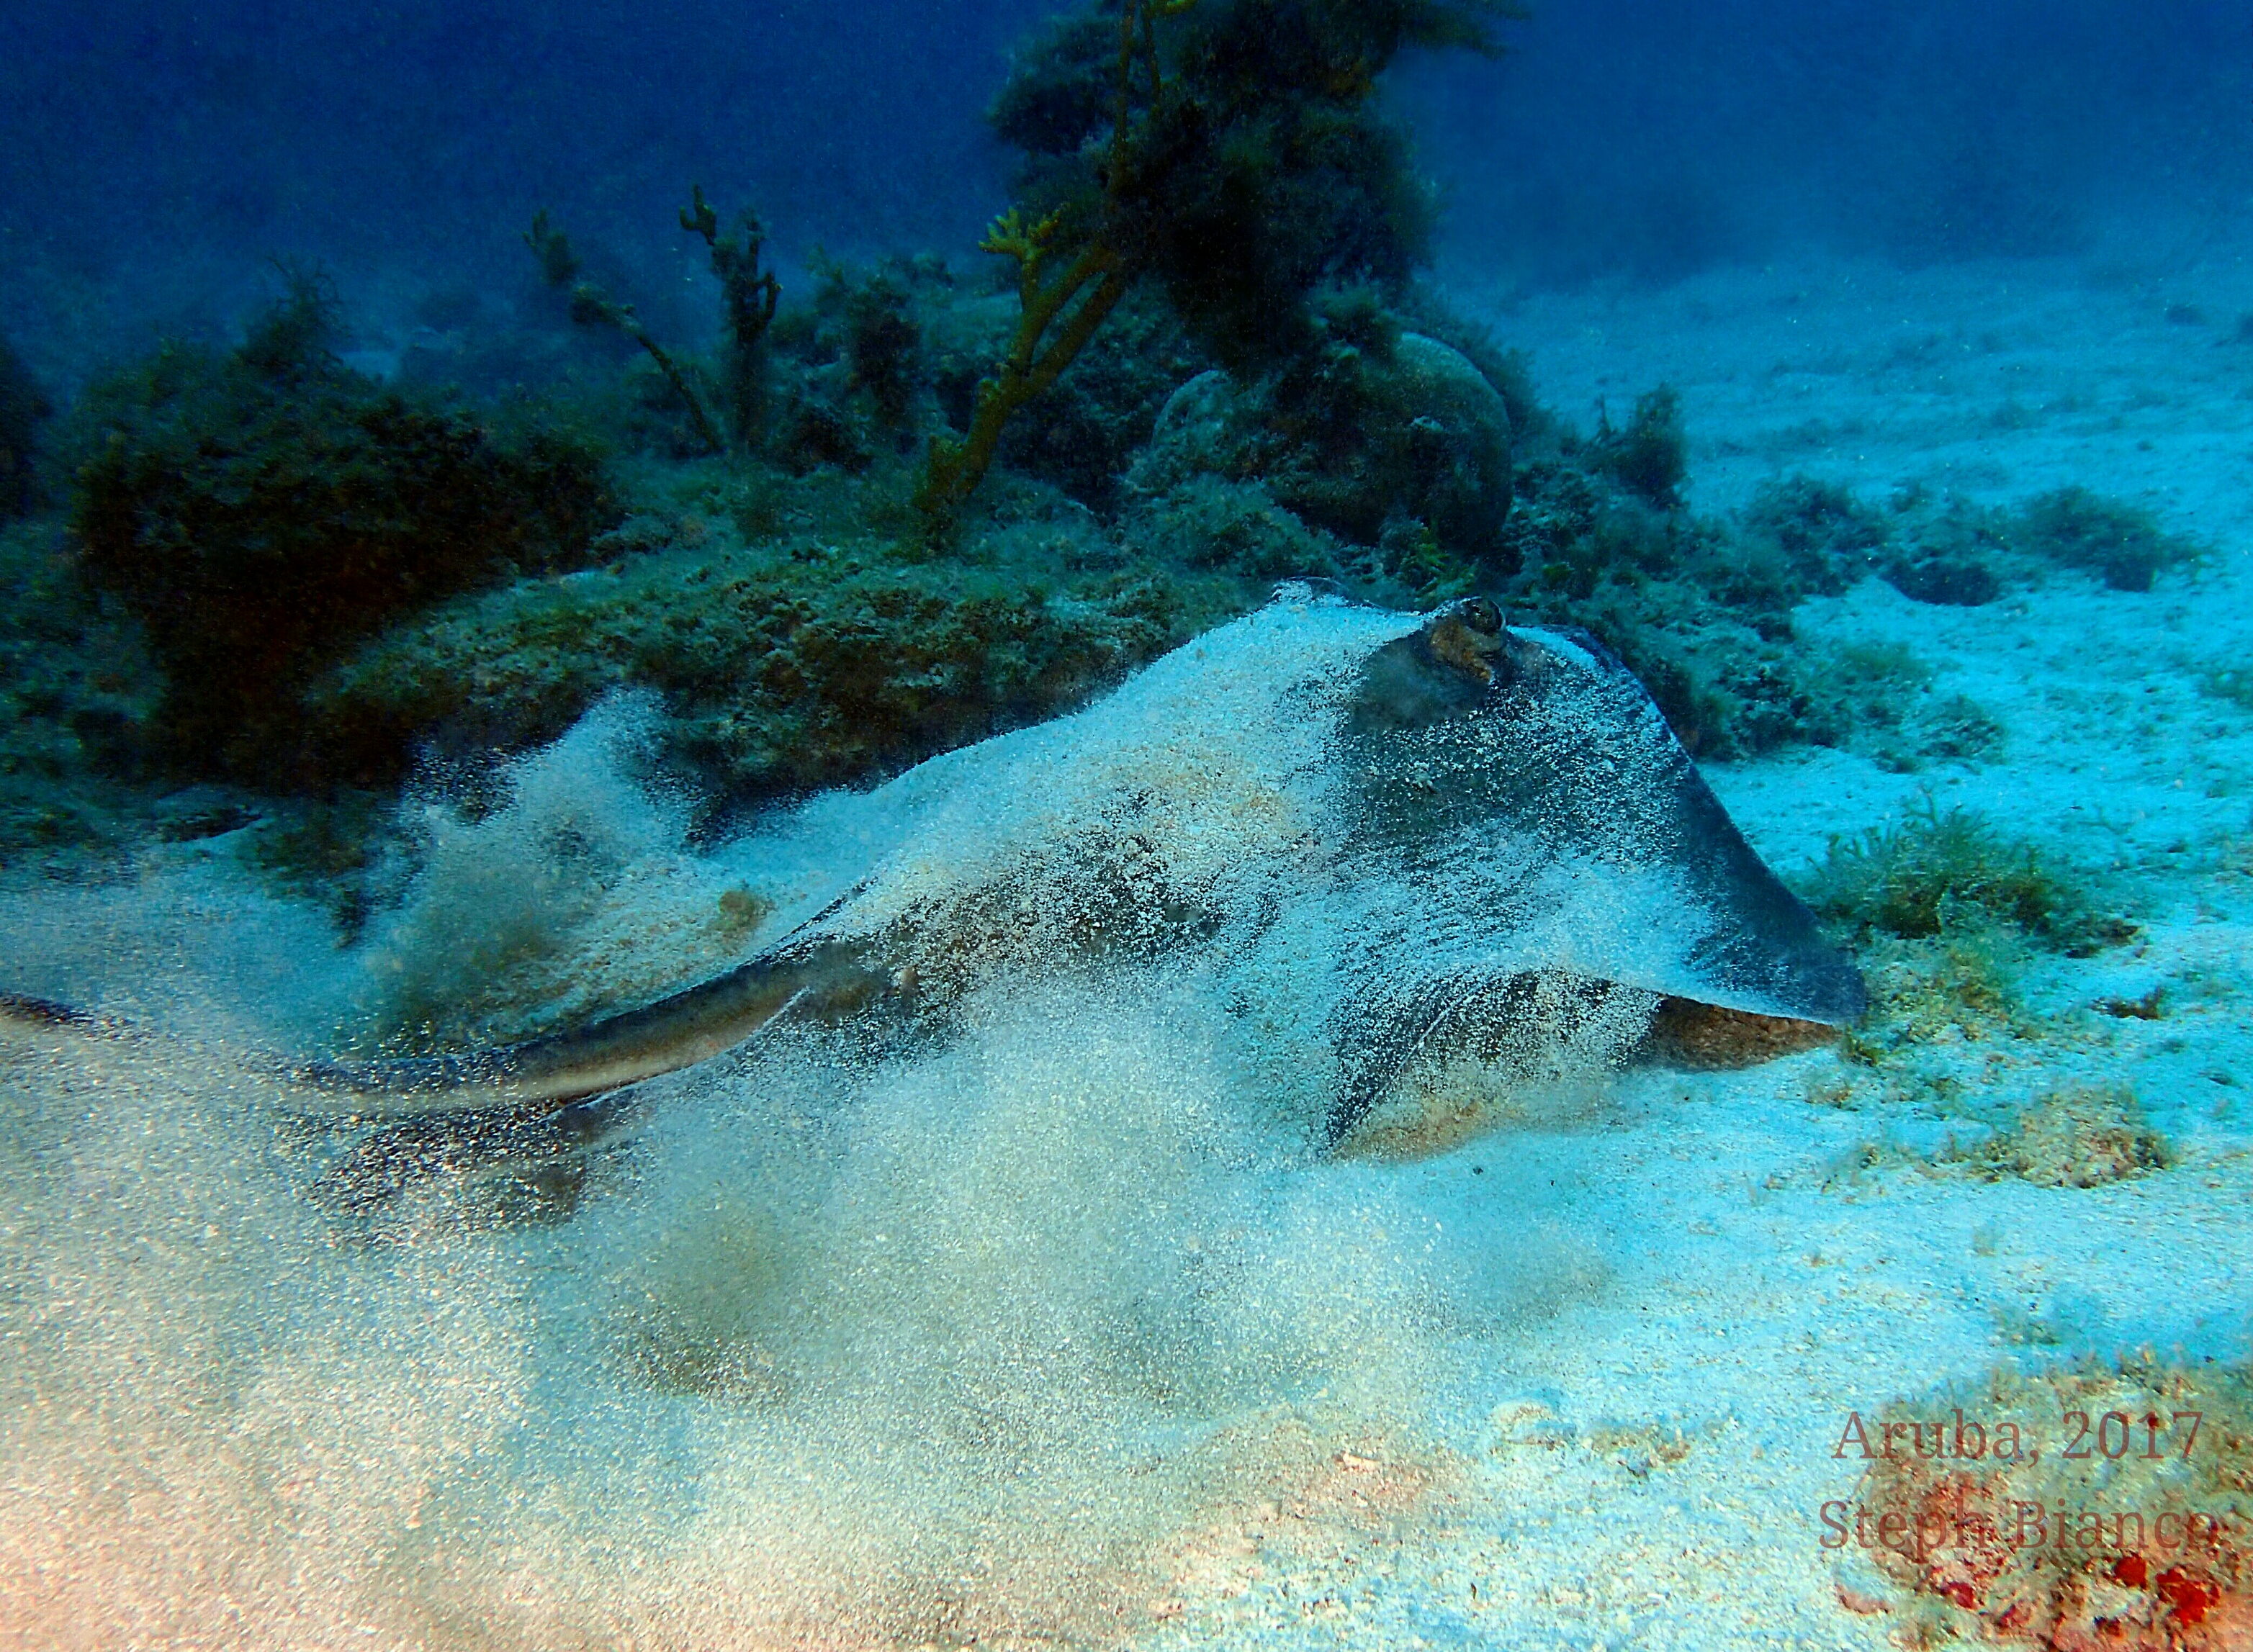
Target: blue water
[152, 156]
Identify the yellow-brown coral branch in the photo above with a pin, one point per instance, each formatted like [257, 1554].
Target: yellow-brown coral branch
[954, 469]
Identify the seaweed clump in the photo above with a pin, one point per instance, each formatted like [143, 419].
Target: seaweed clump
[74, 699]
[1816, 537]
[1700, 609]
[1272, 174]
[1945, 911]
[1650, 457]
[2078, 1137]
[2121, 544]
[1939, 871]
[259, 510]
[1952, 557]
[1950, 550]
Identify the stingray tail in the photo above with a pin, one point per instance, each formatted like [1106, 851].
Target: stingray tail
[42, 1012]
[825, 980]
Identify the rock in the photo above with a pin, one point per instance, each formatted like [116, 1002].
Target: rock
[1361, 437]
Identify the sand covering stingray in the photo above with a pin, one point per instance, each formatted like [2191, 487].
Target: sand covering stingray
[1396, 840]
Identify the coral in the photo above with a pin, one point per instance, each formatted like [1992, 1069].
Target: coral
[1660, 589]
[1062, 88]
[1701, 609]
[1235, 526]
[1083, 434]
[749, 298]
[1072, 303]
[1378, 436]
[815, 433]
[784, 669]
[1533, 426]
[1573, 529]
[1059, 308]
[1238, 161]
[593, 307]
[259, 511]
[1877, 695]
[872, 363]
[23, 409]
[2078, 1509]
[1950, 550]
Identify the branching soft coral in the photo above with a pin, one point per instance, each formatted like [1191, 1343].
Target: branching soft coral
[1035, 359]
[1074, 301]
[593, 307]
[750, 295]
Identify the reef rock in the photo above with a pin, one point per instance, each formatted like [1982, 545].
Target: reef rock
[1396, 431]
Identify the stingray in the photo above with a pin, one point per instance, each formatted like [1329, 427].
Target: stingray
[1397, 839]
[1392, 843]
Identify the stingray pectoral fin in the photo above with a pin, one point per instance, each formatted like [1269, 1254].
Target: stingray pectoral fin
[826, 980]
[1528, 1026]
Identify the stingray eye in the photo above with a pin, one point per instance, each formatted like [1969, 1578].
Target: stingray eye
[1466, 638]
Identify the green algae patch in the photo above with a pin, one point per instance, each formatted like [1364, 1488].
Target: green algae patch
[783, 670]
[1939, 870]
[2122, 544]
[2079, 1136]
[75, 700]
[23, 408]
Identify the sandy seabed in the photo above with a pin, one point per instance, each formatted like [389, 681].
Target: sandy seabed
[1044, 1341]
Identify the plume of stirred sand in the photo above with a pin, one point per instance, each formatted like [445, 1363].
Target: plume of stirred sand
[1012, 1341]
[1027, 1330]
